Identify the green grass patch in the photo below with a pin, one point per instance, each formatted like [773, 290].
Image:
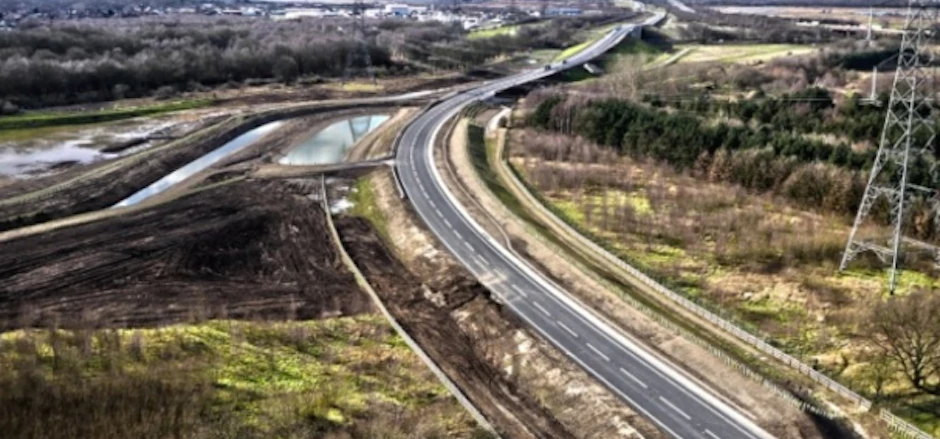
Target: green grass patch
[21, 134]
[481, 152]
[365, 206]
[735, 53]
[630, 48]
[222, 379]
[509, 31]
[633, 47]
[34, 120]
[358, 87]
[924, 414]
[573, 50]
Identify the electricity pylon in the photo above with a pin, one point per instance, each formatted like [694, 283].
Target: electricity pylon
[361, 48]
[907, 133]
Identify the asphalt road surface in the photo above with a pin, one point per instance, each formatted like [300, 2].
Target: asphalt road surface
[678, 404]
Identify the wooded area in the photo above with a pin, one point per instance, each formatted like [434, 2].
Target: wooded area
[95, 60]
[768, 151]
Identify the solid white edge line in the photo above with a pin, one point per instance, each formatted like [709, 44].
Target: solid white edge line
[573, 357]
[524, 317]
[579, 310]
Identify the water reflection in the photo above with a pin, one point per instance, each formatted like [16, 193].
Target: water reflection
[15, 162]
[331, 144]
[200, 164]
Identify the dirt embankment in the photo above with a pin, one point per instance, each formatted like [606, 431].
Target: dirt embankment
[240, 250]
[109, 183]
[521, 384]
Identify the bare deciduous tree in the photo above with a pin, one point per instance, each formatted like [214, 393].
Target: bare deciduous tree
[907, 330]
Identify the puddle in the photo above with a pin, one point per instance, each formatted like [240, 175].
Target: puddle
[21, 163]
[341, 205]
[57, 148]
[201, 163]
[331, 144]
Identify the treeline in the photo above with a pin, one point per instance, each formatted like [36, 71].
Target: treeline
[642, 131]
[113, 59]
[96, 60]
[812, 173]
[442, 47]
[708, 26]
[811, 110]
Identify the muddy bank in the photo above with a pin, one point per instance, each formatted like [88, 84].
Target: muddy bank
[111, 182]
[244, 250]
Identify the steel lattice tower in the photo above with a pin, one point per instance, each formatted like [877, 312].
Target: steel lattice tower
[907, 133]
[362, 36]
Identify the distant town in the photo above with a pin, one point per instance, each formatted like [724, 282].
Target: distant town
[470, 15]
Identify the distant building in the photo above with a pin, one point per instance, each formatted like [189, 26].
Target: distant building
[397, 10]
[562, 12]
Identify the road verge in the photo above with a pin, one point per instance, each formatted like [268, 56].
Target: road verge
[367, 288]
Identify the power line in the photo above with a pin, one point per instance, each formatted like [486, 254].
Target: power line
[361, 48]
[908, 135]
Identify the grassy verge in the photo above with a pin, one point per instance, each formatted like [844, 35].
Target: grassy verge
[573, 50]
[34, 120]
[741, 53]
[365, 206]
[357, 87]
[508, 31]
[349, 377]
[611, 61]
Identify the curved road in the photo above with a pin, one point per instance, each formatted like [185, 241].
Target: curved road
[681, 407]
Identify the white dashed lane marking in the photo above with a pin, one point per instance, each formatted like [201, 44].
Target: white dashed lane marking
[566, 328]
[519, 290]
[677, 409]
[598, 352]
[539, 306]
[630, 375]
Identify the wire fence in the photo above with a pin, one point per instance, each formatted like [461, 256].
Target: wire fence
[898, 425]
[903, 428]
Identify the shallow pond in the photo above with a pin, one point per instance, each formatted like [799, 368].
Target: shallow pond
[331, 144]
[21, 163]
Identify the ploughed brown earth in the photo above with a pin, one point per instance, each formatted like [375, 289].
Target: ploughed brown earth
[242, 250]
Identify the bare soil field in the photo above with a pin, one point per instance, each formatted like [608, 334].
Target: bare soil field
[254, 251]
[235, 251]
